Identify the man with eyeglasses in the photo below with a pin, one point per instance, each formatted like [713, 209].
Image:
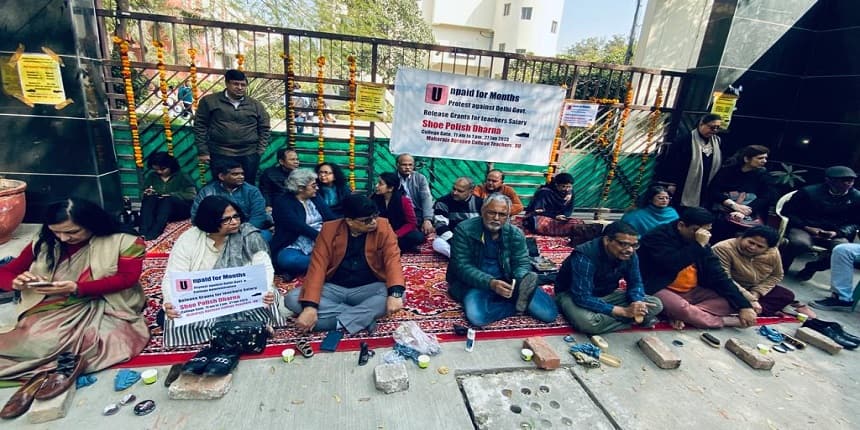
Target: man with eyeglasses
[355, 275]
[452, 209]
[489, 271]
[495, 183]
[230, 184]
[825, 214]
[679, 268]
[599, 288]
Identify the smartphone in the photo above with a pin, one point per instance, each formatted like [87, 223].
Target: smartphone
[39, 284]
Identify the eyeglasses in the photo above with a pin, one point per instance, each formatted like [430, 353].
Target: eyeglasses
[228, 219]
[713, 127]
[368, 220]
[493, 214]
[625, 245]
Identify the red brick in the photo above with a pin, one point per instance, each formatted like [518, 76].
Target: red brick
[545, 357]
[749, 355]
[659, 353]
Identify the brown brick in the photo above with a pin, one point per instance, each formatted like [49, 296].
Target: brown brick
[818, 340]
[659, 353]
[194, 387]
[749, 354]
[545, 357]
[52, 409]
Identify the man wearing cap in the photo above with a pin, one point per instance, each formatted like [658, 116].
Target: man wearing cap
[230, 124]
[825, 214]
[355, 275]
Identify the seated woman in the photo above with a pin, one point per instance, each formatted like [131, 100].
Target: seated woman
[753, 263]
[332, 186]
[397, 207]
[80, 297]
[741, 192]
[220, 238]
[549, 212]
[299, 214]
[653, 209]
[167, 195]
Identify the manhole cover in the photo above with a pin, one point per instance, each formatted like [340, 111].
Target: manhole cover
[530, 399]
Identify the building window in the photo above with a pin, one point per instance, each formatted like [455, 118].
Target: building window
[554, 27]
[502, 47]
[507, 9]
[521, 51]
[526, 13]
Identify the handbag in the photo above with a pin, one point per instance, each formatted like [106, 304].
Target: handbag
[244, 337]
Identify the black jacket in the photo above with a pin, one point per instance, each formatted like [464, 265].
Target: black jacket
[664, 253]
[814, 206]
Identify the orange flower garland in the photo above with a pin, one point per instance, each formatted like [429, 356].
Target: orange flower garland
[653, 120]
[195, 94]
[553, 155]
[602, 141]
[165, 106]
[240, 62]
[320, 103]
[129, 99]
[351, 60]
[291, 110]
[625, 114]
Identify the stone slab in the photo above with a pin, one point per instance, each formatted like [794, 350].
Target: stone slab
[531, 399]
[749, 354]
[391, 378]
[818, 340]
[42, 411]
[659, 352]
[196, 387]
[545, 357]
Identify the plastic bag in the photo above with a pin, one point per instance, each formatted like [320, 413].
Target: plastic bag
[409, 334]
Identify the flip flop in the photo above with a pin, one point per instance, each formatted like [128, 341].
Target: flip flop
[771, 334]
[304, 348]
[710, 340]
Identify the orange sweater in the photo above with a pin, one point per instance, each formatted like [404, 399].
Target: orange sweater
[516, 203]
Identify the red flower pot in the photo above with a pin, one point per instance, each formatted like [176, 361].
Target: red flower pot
[12, 207]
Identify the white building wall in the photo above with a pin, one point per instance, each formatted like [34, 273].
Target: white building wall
[672, 34]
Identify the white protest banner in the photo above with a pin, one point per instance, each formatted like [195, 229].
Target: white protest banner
[577, 113]
[470, 118]
[213, 293]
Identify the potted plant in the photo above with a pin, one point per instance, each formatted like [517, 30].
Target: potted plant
[12, 207]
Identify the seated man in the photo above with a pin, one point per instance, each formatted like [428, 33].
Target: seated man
[680, 269]
[495, 183]
[355, 275]
[417, 187]
[453, 208]
[231, 185]
[824, 214]
[489, 268]
[272, 179]
[599, 288]
[842, 285]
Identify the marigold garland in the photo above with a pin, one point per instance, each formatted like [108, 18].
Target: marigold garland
[291, 109]
[602, 141]
[351, 60]
[625, 114]
[320, 103]
[553, 155]
[653, 120]
[125, 71]
[604, 101]
[240, 62]
[165, 105]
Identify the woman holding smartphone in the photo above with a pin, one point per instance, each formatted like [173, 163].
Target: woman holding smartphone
[80, 307]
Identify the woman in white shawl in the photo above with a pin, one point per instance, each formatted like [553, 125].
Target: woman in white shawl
[688, 165]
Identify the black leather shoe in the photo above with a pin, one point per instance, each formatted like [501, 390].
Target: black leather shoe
[831, 332]
[838, 327]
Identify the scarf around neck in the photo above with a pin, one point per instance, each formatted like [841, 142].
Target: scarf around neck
[695, 178]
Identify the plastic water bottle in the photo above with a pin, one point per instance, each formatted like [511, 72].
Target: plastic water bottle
[470, 340]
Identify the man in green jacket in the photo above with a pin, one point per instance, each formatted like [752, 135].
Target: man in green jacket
[232, 125]
[489, 270]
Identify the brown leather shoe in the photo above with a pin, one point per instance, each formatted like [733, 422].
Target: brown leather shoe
[22, 399]
[61, 379]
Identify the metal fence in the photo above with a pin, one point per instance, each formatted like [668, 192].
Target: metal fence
[265, 52]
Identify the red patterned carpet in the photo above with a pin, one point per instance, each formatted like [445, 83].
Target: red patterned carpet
[427, 303]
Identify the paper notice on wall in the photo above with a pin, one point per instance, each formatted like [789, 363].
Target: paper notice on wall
[724, 106]
[471, 118]
[370, 102]
[9, 73]
[41, 79]
[213, 293]
[579, 113]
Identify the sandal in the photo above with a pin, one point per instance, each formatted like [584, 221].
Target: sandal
[304, 347]
[365, 354]
[771, 334]
[221, 364]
